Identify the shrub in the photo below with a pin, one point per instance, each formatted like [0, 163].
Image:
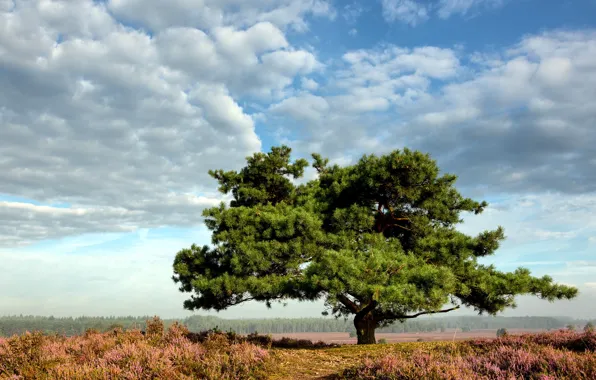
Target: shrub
[556, 355]
[131, 355]
[501, 332]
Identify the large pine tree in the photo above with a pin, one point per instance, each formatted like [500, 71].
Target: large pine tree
[376, 240]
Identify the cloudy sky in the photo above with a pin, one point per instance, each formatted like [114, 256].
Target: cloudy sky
[112, 112]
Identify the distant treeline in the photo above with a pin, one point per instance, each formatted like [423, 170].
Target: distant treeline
[10, 325]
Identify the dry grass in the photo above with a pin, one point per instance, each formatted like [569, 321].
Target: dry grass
[323, 363]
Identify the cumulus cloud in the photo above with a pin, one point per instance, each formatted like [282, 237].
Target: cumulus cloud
[532, 120]
[206, 14]
[520, 121]
[365, 87]
[122, 124]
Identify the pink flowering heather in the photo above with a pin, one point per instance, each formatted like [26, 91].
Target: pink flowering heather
[130, 355]
[557, 355]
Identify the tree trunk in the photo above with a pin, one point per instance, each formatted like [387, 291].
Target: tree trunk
[365, 329]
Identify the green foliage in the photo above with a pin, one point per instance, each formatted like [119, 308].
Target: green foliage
[376, 240]
[501, 332]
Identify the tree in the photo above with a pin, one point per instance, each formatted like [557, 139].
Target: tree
[501, 332]
[589, 327]
[375, 240]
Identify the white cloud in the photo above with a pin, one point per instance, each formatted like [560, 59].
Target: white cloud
[511, 114]
[110, 129]
[533, 235]
[411, 12]
[447, 8]
[207, 14]
[243, 45]
[305, 107]
[289, 63]
[449, 117]
[309, 84]
[352, 12]
[25, 223]
[122, 124]
[415, 12]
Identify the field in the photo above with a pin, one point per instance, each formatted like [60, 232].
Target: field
[176, 353]
[344, 338]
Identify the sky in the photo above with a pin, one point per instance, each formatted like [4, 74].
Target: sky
[112, 112]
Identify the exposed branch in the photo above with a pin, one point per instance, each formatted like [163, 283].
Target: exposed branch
[382, 226]
[242, 300]
[393, 271]
[365, 310]
[427, 312]
[348, 303]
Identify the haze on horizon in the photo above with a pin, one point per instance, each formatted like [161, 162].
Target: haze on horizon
[113, 111]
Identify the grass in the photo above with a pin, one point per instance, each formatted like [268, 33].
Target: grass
[327, 362]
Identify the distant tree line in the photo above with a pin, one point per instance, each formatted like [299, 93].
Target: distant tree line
[10, 325]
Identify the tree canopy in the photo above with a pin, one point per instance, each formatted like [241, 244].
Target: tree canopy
[376, 240]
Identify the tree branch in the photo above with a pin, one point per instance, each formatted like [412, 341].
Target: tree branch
[365, 310]
[238, 301]
[427, 312]
[348, 303]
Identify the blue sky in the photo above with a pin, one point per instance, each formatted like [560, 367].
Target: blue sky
[112, 112]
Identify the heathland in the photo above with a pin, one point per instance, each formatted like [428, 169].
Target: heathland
[157, 352]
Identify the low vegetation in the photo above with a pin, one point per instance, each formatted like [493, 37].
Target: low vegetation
[154, 354]
[553, 355]
[176, 353]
